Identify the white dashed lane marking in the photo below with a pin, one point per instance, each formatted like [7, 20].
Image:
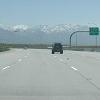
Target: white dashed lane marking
[74, 68]
[28, 54]
[55, 56]
[6, 67]
[12, 64]
[61, 60]
[19, 60]
[25, 56]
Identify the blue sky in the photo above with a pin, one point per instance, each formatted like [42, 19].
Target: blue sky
[52, 12]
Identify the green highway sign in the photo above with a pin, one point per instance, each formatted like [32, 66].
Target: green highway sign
[94, 31]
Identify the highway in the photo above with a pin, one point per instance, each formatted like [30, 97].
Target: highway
[36, 74]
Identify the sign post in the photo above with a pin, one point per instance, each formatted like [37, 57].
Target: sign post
[94, 31]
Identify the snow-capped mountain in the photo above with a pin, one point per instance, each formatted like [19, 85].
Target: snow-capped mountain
[15, 27]
[41, 33]
[45, 28]
[60, 28]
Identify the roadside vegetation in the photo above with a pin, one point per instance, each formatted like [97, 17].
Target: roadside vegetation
[6, 47]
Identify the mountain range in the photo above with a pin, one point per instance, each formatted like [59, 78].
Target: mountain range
[44, 34]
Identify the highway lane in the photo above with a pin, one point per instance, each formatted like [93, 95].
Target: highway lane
[39, 75]
[11, 57]
[88, 63]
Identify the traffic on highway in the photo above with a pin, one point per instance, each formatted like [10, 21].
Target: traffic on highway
[49, 50]
[37, 72]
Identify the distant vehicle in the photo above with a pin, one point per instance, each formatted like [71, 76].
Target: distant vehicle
[57, 47]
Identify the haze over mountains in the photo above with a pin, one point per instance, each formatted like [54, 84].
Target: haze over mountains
[45, 34]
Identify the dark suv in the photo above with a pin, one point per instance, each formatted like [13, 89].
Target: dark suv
[57, 47]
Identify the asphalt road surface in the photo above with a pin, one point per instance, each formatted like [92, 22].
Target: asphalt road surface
[36, 74]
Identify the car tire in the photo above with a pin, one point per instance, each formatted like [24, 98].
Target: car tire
[52, 52]
[61, 52]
